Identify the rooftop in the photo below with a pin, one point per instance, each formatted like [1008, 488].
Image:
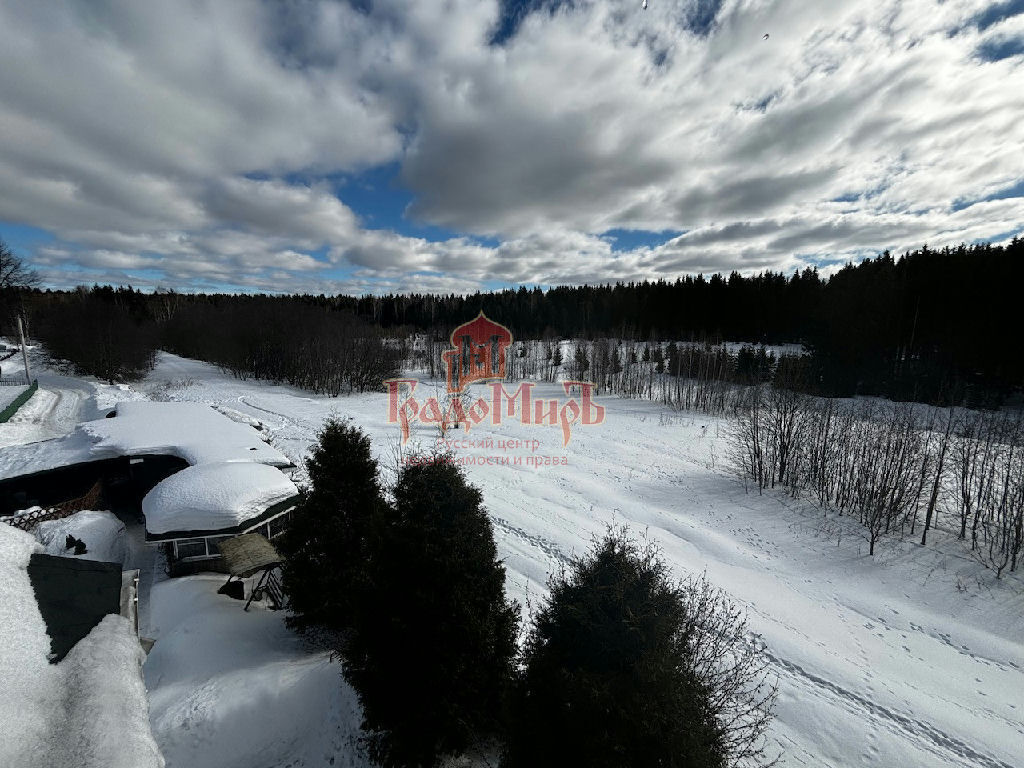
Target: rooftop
[213, 497]
[191, 431]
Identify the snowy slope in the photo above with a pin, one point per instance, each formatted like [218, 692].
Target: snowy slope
[914, 658]
[236, 689]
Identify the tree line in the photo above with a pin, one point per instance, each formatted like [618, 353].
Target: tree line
[114, 333]
[931, 325]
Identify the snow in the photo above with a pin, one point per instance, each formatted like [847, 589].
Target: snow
[102, 532]
[214, 497]
[190, 431]
[913, 658]
[60, 404]
[89, 711]
[236, 689]
[106, 723]
[29, 682]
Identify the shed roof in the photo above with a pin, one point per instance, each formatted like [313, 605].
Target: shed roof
[73, 596]
[214, 497]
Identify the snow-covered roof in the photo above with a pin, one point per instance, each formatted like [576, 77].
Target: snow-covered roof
[214, 497]
[90, 709]
[191, 431]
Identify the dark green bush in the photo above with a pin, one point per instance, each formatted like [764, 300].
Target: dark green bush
[624, 667]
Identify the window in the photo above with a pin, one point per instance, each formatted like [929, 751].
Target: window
[186, 548]
[212, 542]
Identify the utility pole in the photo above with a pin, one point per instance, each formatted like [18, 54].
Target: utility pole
[24, 350]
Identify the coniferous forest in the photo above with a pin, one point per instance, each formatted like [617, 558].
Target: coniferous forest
[935, 326]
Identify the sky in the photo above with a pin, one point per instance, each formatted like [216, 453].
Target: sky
[378, 146]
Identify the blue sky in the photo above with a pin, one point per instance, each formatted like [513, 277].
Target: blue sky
[418, 145]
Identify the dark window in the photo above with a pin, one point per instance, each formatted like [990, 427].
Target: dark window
[212, 542]
[191, 548]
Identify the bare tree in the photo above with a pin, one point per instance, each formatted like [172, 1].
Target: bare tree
[735, 667]
[14, 272]
[937, 481]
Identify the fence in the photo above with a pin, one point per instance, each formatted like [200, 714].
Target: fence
[19, 401]
[64, 509]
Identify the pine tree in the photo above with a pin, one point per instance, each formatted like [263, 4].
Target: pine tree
[325, 544]
[582, 362]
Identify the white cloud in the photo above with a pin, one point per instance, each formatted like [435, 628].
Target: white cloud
[200, 140]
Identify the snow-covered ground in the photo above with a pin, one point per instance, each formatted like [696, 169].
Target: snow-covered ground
[912, 658]
[102, 532]
[236, 689]
[60, 403]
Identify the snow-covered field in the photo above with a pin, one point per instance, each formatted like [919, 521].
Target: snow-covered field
[913, 658]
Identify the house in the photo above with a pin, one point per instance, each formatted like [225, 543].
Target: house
[194, 476]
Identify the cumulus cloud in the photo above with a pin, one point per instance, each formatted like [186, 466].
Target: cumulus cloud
[200, 145]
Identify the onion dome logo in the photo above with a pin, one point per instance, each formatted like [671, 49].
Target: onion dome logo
[477, 353]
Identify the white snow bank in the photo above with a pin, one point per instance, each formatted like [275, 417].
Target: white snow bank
[107, 722]
[236, 689]
[89, 711]
[29, 683]
[102, 533]
[214, 497]
[191, 431]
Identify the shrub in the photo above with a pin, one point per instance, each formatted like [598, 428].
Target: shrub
[432, 648]
[325, 544]
[624, 667]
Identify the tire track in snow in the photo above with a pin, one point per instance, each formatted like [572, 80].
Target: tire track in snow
[934, 740]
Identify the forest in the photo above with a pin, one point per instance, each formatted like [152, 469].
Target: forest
[933, 326]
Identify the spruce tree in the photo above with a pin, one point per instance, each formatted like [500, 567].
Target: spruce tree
[325, 544]
[621, 669]
[432, 648]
